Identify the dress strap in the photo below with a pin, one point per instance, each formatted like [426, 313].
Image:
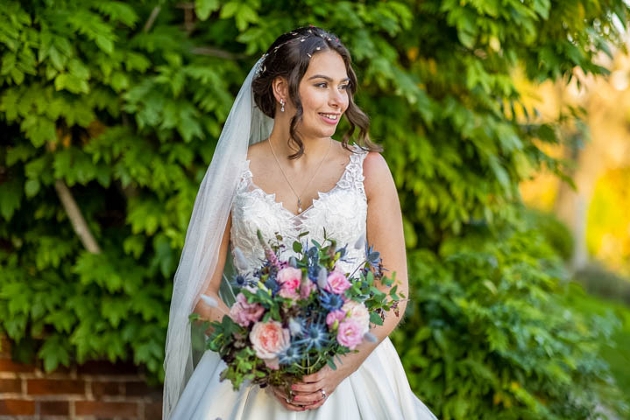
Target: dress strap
[353, 175]
[246, 179]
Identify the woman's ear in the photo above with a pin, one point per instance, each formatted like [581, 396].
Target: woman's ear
[280, 88]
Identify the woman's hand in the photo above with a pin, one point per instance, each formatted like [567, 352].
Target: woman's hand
[286, 398]
[313, 390]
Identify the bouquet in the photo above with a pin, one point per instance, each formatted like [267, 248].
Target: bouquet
[291, 318]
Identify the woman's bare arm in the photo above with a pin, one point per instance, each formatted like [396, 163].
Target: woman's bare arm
[205, 311]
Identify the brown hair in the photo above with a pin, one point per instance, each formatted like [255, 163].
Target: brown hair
[289, 57]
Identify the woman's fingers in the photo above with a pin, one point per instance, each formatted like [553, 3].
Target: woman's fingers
[308, 398]
[314, 389]
[317, 399]
[311, 383]
[287, 401]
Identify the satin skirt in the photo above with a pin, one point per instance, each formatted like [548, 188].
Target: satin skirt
[378, 390]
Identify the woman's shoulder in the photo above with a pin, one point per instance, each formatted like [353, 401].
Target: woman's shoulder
[374, 164]
[258, 156]
[376, 173]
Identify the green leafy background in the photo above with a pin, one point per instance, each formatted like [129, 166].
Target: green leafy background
[122, 102]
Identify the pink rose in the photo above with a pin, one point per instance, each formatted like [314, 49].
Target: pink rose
[350, 334]
[268, 340]
[244, 313]
[287, 290]
[337, 283]
[335, 316]
[358, 312]
[289, 274]
[289, 279]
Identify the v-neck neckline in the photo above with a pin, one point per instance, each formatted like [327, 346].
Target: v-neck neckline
[320, 194]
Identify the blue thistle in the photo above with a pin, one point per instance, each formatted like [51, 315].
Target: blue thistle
[291, 355]
[315, 337]
[272, 284]
[313, 253]
[239, 280]
[313, 271]
[373, 257]
[330, 301]
[343, 251]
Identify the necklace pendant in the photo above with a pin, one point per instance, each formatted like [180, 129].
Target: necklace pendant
[299, 206]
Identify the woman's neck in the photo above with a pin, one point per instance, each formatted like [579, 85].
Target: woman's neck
[314, 148]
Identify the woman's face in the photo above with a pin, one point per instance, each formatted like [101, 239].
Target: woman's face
[324, 95]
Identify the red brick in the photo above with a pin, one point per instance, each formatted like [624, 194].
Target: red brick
[11, 385]
[100, 389]
[54, 408]
[8, 365]
[106, 368]
[103, 409]
[55, 387]
[135, 389]
[17, 407]
[153, 411]
[141, 389]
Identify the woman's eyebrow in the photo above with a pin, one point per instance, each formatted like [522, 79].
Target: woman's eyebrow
[321, 76]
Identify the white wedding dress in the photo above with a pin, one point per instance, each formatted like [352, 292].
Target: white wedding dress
[379, 389]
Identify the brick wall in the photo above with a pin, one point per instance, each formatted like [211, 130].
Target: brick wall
[93, 391]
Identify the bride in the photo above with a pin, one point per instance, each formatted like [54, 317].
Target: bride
[276, 169]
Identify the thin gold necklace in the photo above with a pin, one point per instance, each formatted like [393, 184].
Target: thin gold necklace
[286, 178]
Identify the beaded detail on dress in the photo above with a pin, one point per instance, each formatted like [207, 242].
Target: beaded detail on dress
[342, 211]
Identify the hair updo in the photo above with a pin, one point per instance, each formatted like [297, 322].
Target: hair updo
[289, 57]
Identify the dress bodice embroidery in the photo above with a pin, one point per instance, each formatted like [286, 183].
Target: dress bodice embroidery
[341, 211]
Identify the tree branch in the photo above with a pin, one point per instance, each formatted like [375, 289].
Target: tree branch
[154, 14]
[216, 52]
[76, 218]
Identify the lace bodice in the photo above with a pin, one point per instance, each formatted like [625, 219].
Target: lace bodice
[342, 211]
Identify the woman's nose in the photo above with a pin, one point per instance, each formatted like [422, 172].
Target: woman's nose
[336, 97]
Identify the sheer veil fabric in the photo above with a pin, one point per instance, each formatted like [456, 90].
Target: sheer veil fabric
[245, 125]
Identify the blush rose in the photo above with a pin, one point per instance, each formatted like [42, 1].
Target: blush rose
[269, 339]
[244, 313]
[350, 334]
[337, 283]
[334, 318]
[358, 312]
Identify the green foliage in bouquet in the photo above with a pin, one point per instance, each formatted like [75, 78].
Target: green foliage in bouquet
[310, 311]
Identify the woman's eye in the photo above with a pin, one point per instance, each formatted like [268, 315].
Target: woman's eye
[344, 87]
[321, 85]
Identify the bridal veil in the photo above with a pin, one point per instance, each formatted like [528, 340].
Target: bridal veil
[245, 125]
